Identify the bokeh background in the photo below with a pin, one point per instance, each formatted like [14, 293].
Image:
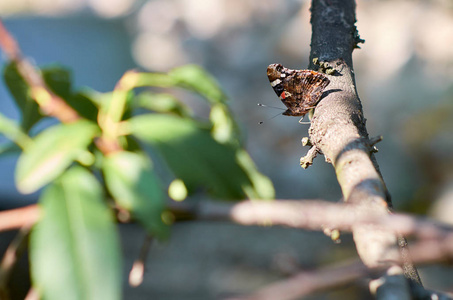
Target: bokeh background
[404, 75]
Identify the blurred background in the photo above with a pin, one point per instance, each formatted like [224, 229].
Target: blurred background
[404, 75]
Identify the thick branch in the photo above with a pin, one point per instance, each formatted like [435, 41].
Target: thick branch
[338, 128]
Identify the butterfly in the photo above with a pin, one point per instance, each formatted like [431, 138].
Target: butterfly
[299, 90]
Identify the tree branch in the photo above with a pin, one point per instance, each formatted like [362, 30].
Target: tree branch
[338, 130]
[19, 217]
[333, 276]
[434, 241]
[302, 214]
[308, 282]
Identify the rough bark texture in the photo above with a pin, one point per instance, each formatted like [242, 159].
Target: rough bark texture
[338, 129]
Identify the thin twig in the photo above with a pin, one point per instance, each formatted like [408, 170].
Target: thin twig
[32, 294]
[19, 217]
[49, 102]
[333, 276]
[308, 282]
[10, 258]
[138, 268]
[307, 160]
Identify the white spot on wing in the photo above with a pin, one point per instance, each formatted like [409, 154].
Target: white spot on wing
[275, 82]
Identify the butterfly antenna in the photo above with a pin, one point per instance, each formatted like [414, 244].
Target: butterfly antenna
[261, 122]
[264, 105]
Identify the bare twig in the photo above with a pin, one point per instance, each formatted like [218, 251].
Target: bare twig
[10, 258]
[308, 282]
[49, 102]
[19, 217]
[306, 214]
[307, 160]
[138, 268]
[392, 286]
[434, 240]
[32, 294]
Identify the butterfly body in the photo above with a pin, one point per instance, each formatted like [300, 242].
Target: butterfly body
[299, 90]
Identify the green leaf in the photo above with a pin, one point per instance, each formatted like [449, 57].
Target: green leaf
[12, 131]
[134, 186]
[262, 187]
[21, 94]
[193, 155]
[225, 129]
[51, 153]
[195, 78]
[129, 143]
[74, 248]
[163, 103]
[58, 79]
[84, 106]
[154, 79]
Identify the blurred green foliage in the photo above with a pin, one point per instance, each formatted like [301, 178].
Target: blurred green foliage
[74, 247]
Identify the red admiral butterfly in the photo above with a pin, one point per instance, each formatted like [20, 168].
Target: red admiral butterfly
[299, 90]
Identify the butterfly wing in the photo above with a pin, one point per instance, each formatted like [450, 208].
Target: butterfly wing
[281, 82]
[306, 88]
[276, 74]
[299, 90]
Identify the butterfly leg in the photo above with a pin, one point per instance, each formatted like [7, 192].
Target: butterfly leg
[310, 115]
[300, 121]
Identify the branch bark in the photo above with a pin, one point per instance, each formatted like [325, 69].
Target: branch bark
[338, 130]
[302, 214]
[433, 244]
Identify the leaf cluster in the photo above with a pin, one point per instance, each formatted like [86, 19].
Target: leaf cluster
[84, 180]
